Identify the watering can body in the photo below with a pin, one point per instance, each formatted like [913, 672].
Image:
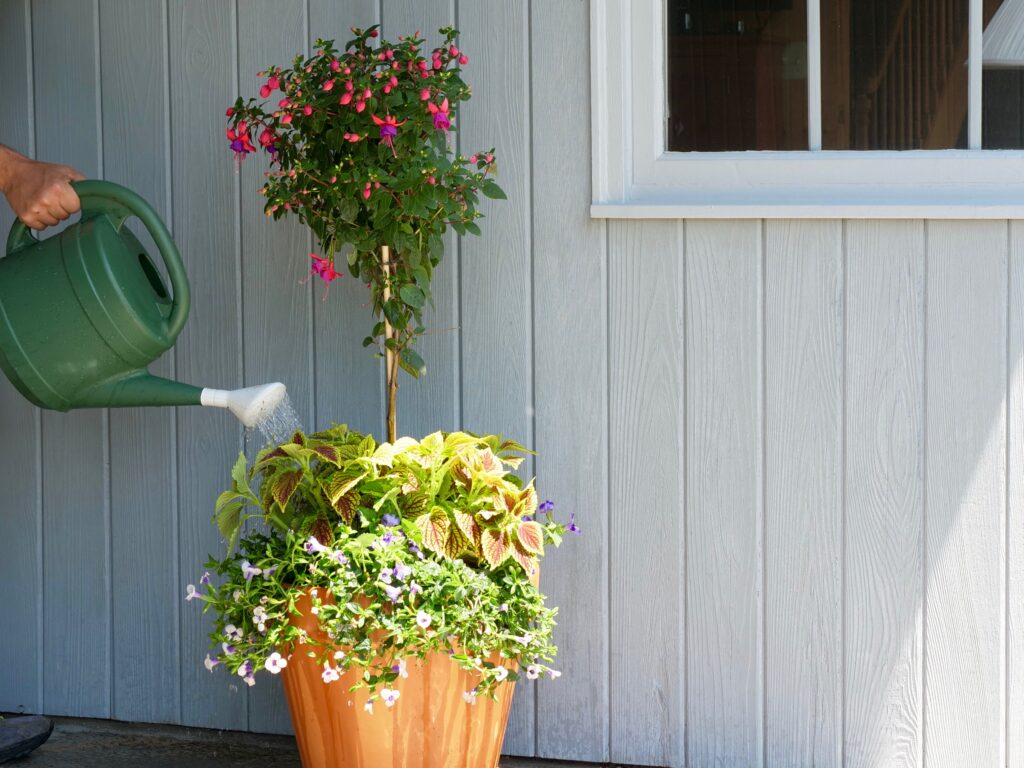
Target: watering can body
[84, 312]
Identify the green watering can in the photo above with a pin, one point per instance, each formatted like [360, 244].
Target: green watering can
[85, 311]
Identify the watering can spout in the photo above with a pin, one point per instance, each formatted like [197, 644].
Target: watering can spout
[140, 389]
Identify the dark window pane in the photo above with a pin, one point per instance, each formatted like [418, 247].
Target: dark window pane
[1002, 95]
[894, 74]
[737, 75]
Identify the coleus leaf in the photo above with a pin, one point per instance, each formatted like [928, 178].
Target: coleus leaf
[328, 453]
[531, 537]
[284, 486]
[321, 529]
[340, 484]
[468, 525]
[416, 504]
[240, 476]
[229, 522]
[434, 528]
[456, 543]
[527, 504]
[525, 559]
[496, 546]
[346, 506]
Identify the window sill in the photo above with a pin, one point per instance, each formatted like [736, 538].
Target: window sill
[963, 202]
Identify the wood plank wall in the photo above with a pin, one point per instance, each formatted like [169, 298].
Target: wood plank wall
[794, 448]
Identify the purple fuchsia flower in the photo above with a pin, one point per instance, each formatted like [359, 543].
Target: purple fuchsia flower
[389, 696]
[249, 570]
[388, 130]
[389, 520]
[239, 141]
[323, 268]
[275, 663]
[442, 121]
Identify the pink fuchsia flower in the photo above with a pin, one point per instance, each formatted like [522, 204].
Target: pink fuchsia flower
[229, 112]
[453, 51]
[335, 65]
[345, 98]
[425, 94]
[264, 91]
[274, 82]
[329, 85]
[388, 130]
[463, 59]
[367, 191]
[441, 120]
[284, 103]
[360, 105]
[352, 137]
[323, 268]
[287, 119]
[307, 110]
[239, 138]
[389, 696]
[275, 663]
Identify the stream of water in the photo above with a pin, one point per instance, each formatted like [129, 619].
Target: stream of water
[280, 424]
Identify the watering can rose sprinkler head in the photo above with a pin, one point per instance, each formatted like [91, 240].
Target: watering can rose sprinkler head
[251, 405]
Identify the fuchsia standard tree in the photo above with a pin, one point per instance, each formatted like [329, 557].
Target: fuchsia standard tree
[361, 151]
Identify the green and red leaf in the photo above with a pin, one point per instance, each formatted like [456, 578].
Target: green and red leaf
[346, 506]
[531, 537]
[525, 559]
[284, 486]
[496, 546]
[435, 528]
[328, 453]
[468, 525]
[341, 484]
[456, 543]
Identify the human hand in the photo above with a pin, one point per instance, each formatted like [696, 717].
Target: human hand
[40, 194]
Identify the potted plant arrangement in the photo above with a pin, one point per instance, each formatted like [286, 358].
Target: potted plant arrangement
[393, 584]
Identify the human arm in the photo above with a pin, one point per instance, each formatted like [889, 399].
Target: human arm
[40, 194]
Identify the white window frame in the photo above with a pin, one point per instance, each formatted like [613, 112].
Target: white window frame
[634, 176]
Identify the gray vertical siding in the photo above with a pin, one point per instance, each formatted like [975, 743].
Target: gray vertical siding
[794, 447]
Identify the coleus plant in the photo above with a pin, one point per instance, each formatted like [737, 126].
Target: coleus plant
[360, 150]
[406, 548]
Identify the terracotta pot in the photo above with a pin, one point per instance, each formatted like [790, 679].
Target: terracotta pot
[430, 726]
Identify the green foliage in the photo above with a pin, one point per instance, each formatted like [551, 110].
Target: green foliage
[386, 534]
[353, 180]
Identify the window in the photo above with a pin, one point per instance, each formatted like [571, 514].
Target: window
[877, 108]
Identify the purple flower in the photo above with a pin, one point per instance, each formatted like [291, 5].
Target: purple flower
[389, 696]
[268, 572]
[389, 520]
[275, 663]
[249, 570]
[414, 588]
[210, 663]
[572, 527]
[312, 545]
[330, 674]
[532, 672]
[546, 506]
[394, 593]
[228, 649]
[415, 549]
[424, 619]
[402, 571]
[205, 578]
[339, 558]
[387, 538]
[191, 593]
[245, 670]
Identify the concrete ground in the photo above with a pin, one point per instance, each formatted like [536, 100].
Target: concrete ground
[79, 743]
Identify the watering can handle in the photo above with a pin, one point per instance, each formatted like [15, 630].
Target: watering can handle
[119, 203]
